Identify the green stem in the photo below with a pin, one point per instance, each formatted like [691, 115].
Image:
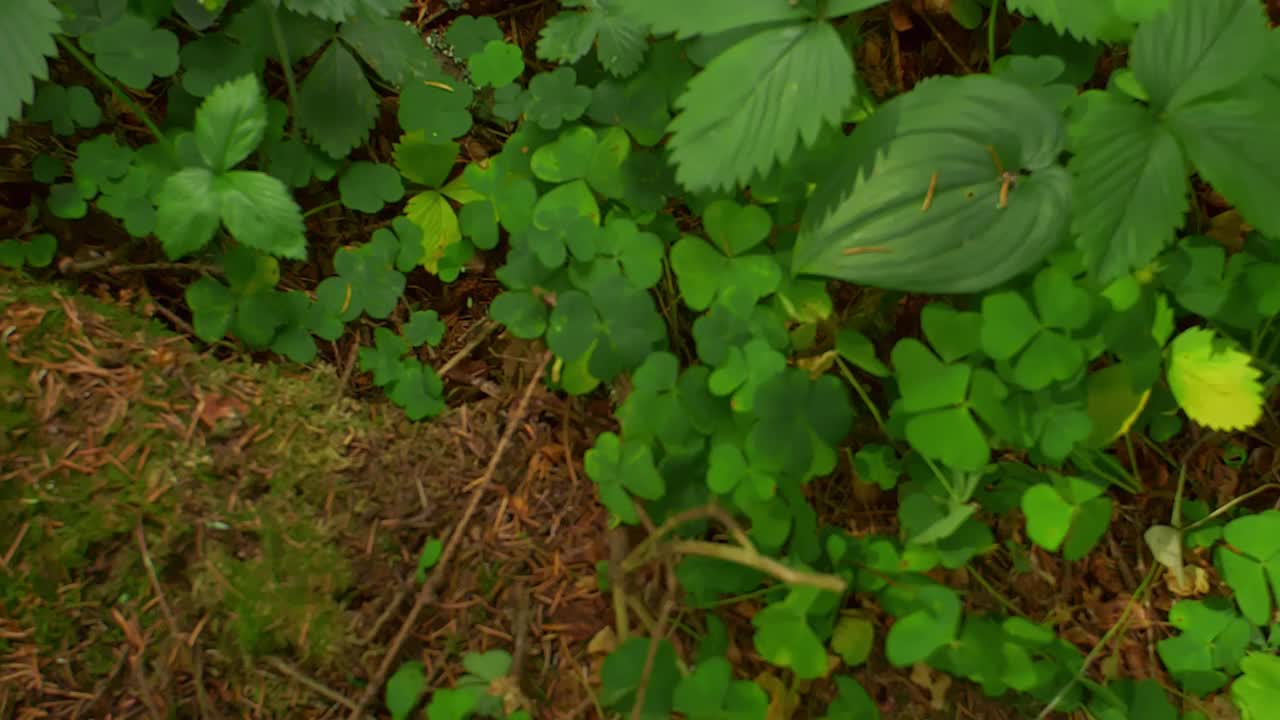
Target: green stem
[862, 393]
[1102, 644]
[991, 33]
[1227, 507]
[121, 95]
[321, 208]
[283, 49]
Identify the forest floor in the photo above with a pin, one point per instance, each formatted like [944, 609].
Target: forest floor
[195, 532]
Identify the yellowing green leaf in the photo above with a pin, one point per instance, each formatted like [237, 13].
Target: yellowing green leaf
[1214, 382]
[431, 212]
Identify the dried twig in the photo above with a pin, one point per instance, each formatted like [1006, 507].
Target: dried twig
[311, 684]
[427, 593]
[668, 605]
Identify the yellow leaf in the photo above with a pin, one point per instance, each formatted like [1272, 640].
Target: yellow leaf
[1213, 381]
[432, 212]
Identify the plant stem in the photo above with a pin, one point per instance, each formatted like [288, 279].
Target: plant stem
[283, 49]
[991, 33]
[862, 393]
[1102, 643]
[752, 559]
[321, 208]
[1234, 502]
[120, 94]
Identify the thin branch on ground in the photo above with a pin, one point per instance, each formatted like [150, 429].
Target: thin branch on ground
[659, 632]
[311, 683]
[481, 332]
[427, 593]
[765, 564]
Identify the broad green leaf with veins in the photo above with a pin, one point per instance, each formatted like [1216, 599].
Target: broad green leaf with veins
[1198, 48]
[1091, 20]
[260, 212]
[620, 40]
[187, 212]
[27, 30]
[899, 215]
[1129, 177]
[421, 161]
[394, 49]
[133, 51]
[1213, 382]
[339, 10]
[431, 212]
[230, 123]
[1234, 146]
[750, 107]
[337, 127]
[708, 17]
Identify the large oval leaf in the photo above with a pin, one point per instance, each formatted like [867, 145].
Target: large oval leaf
[954, 187]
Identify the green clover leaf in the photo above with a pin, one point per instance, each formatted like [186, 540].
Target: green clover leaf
[424, 327]
[452, 704]
[1214, 639]
[735, 229]
[555, 98]
[404, 687]
[520, 312]
[707, 276]
[799, 423]
[367, 186]
[784, 638]
[935, 395]
[620, 677]
[928, 617]
[384, 358]
[38, 251]
[568, 158]
[418, 390]
[638, 255]
[1257, 692]
[711, 693]
[133, 51]
[852, 702]
[438, 109]
[619, 468]
[422, 161]
[1069, 514]
[878, 464]
[65, 108]
[1254, 556]
[498, 65]
[212, 306]
[952, 334]
[857, 349]
[470, 35]
[99, 161]
[368, 276]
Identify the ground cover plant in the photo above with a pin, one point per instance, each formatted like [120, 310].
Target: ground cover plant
[874, 356]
